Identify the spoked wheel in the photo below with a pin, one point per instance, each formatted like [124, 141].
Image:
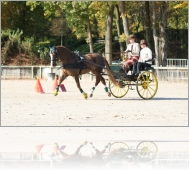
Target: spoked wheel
[147, 149]
[147, 85]
[117, 91]
[119, 147]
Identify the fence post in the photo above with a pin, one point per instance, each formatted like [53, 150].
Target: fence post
[91, 76]
[32, 72]
[40, 72]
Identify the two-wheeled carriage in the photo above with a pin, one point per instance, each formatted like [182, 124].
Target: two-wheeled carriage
[146, 83]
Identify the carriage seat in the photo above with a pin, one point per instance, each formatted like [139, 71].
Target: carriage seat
[149, 68]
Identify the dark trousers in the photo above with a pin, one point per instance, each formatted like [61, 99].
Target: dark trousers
[138, 66]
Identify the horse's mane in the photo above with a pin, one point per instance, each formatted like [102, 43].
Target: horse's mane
[63, 47]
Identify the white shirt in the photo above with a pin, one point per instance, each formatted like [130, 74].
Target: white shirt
[145, 54]
[135, 48]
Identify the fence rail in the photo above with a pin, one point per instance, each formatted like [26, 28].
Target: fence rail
[171, 62]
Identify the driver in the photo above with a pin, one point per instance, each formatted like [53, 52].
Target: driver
[132, 51]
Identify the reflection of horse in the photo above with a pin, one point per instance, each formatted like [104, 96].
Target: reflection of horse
[84, 156]
[75, 65]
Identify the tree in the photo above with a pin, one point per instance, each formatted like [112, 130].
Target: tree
[59, 27]
[147, 24]
[163, 38]
[80, 15]
[155, 36]
[124, 18]
[160, 40]
[108, 38]
[118, 26]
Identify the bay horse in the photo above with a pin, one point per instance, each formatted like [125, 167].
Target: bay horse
[75, 65]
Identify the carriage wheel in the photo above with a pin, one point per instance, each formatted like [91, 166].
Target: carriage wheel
[117, 91]
[119, 147]
[147, 149]
[147, 85]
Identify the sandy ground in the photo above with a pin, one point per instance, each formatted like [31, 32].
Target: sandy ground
[22, 106]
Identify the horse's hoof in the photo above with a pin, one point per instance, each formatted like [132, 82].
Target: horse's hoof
[85, 95]
[55, 93]
[91, 95]
[109, 94]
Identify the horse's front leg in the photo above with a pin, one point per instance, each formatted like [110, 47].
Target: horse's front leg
[76, 77]
[61, 79]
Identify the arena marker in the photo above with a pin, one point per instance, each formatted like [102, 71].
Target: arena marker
[63, 88]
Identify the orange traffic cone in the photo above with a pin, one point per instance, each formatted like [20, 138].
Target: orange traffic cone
[63, 88]
[55, 83]
[38, 87]
[39, 147]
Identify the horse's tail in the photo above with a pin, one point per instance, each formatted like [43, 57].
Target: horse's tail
[110, 75]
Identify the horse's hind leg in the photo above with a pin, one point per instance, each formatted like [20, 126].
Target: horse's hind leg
[76, 77]
[61, 79]
[96, 83]
[104, 83]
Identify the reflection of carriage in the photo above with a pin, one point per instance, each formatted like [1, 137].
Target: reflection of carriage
[122, 156]
[146, 84]
[145, 150]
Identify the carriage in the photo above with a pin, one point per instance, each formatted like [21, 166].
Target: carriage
[73, 64]
[146, 83]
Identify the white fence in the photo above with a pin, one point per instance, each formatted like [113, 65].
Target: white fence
[172, 62]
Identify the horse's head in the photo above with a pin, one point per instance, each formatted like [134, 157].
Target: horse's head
[54, 56]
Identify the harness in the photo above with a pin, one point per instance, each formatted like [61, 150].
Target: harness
[79, 63]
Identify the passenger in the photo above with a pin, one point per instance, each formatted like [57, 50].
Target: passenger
[132, 51]
[145, 55]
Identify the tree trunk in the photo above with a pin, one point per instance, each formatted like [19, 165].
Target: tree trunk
[24, 21]
[89, 35]
[125, 21]
[147, 24]
[61, 41]
[96, 27]
[118, 27]
[108, 38]
[155, 34]
[163, 33]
